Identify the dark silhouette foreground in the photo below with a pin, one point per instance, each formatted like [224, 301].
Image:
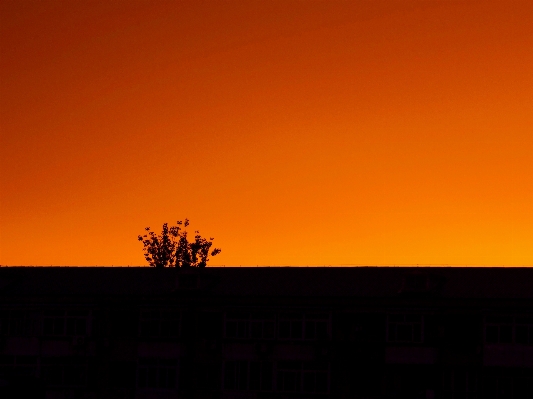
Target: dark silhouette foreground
[172, 247]
[266, 333]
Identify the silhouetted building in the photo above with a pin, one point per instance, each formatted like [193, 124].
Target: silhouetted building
[361, 332]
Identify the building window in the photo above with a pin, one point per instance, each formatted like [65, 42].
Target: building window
[508, 330]
[236, 375]
[4, 322]
[297, 326]
[65, 323]
[289, 376]
[524, 330]
[316, 326]
[155, 373]
[508, 386]
[18, 365]
[17, 322]
[308, 377]
[460, 384]
[406, 328]
[248, 375]
[262, 325]
[261, 375]
[255, 325]
[66, 371]
[237, 325]
[160, 323]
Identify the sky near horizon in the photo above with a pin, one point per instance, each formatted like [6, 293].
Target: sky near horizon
[294, 132]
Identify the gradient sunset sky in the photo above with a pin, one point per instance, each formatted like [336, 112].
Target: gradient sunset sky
[294, 132]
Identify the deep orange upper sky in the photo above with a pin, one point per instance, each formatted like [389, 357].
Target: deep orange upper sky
[295, 133]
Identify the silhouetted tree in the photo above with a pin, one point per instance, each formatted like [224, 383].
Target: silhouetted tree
[172, 247]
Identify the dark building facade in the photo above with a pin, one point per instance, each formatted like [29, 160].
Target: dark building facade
[361, 332]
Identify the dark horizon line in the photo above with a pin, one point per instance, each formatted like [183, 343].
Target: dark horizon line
[287, 266]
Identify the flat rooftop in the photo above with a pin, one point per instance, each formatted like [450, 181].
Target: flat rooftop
[445, 282]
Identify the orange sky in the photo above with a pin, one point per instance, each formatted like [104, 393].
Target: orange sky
[295, 133]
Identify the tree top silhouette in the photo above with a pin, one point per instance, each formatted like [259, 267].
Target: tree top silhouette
[172, 247]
